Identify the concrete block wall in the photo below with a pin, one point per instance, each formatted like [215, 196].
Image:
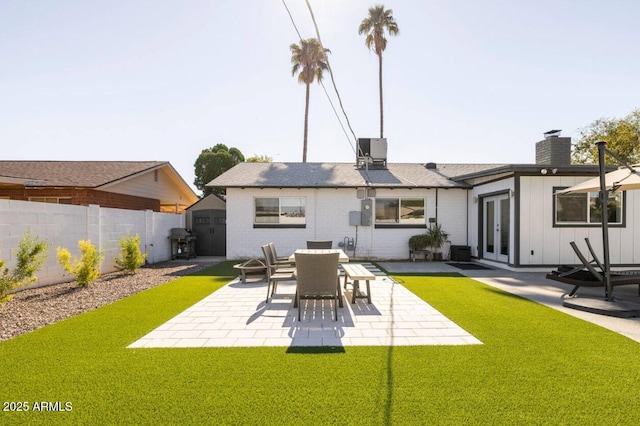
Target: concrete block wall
[64, 225]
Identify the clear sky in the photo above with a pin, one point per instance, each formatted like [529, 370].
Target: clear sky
[469, 81]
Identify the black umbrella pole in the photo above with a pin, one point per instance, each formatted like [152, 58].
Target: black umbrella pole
[604, 199]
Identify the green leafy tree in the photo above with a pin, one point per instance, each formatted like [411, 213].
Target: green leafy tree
[621, 135]
[374, 26]
[211, 163]
[86, 269]
[309, 61]
[131, 258]
[32, 253]
[259, 159]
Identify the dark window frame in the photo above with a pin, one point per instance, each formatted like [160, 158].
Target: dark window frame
[556, 224]
[258, 225]
[400, 224]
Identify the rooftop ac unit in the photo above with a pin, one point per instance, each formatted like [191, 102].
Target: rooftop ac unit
[372, 152]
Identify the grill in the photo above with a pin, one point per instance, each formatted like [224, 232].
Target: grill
[183, 243]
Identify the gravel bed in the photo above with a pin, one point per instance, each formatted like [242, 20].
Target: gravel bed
[34, 308]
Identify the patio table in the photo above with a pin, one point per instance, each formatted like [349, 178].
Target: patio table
[343, 258]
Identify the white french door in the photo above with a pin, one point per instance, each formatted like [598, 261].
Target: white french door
[497, 213]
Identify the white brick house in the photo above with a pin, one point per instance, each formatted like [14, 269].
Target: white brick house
[504, 213]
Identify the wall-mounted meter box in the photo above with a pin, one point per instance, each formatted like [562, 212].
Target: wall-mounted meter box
[354, 219]
[366, 212]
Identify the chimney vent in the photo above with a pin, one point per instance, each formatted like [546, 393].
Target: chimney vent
[431, 166]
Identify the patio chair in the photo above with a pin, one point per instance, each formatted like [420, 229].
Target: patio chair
[275, 274]
[280, 261]
[319, 244]
[318, 278]
[281, 266]
[587, 275]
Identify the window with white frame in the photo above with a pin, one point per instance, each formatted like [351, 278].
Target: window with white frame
[585, 209]
[280, 211]
[401, 211]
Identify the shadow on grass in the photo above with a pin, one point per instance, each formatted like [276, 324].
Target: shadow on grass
[315, 350]
[398, 277]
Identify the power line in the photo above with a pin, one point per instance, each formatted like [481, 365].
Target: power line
[335, 87]
[330, 73]
[292, 21]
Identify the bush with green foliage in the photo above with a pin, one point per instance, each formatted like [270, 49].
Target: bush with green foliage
[32, 252]
[86, 269]
[130, 256]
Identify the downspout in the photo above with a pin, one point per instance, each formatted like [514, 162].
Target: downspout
[516, 220]
[436, 205]
[467, 218]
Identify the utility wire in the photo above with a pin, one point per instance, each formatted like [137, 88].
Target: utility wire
[335, 87]
[322, 83]
[359, 152]
[292, 21]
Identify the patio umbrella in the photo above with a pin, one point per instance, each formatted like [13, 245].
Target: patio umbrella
[625, 178]
[622, 179]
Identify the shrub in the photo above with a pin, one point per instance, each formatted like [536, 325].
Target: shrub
[86, 269]
[32, 252]
[130, 256]
[419, 242]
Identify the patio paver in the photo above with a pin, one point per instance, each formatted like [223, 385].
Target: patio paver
[237, 316]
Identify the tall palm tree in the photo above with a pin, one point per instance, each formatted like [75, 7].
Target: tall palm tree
[310, 60]
[374, 27]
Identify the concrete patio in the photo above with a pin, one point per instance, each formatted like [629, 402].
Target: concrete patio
[237, 315]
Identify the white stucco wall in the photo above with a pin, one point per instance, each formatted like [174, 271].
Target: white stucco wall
[65, 225]
[327, 218]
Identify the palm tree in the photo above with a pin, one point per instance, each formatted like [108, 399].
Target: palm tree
[310, 60]
[374, 27]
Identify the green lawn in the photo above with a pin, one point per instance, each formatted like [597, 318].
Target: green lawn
[536, 366]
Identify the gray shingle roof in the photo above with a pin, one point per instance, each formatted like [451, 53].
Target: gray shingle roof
[332, 175]
[84, 174]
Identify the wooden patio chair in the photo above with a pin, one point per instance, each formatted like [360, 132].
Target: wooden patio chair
[317, 278]
[275, 274]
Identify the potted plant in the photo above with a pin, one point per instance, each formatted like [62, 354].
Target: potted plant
[436, 237]
[419, 242]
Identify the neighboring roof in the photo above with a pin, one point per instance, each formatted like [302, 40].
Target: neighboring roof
[12, 180]
[83, 174]
[333, 175]
[211, 198]
[398, 175]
